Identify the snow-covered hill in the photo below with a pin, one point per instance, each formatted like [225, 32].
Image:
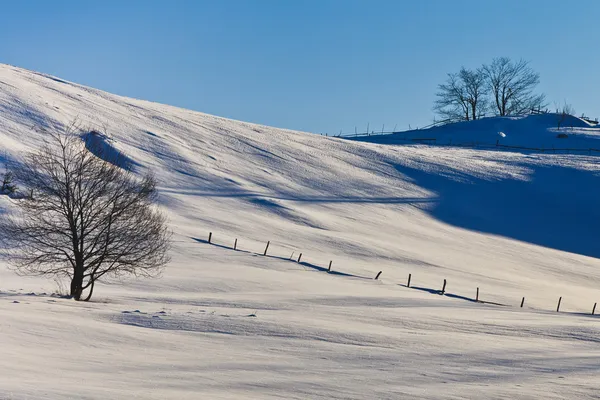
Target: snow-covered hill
[539, 132]
[233, 324]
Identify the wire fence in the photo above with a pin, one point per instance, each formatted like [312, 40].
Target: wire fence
[435, 123]
[331, 270]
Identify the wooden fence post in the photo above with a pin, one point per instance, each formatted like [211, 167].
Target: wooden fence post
[266, 248]
[299, 257]
[594, 309]
[443, 288]
[329, 269]
[209, 237]
[235, 245]
[408, 284]
[522, 302]
[379, 273]
[477, 297]
[558, 306]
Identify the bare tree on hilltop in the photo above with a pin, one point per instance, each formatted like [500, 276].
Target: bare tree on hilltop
[512, 86]
[83, 217]
[462, 96]
[563, 113]
[503, 87]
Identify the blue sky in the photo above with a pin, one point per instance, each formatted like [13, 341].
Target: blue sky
[314, 65]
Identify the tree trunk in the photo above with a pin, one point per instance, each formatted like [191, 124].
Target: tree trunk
[77, 284]
[91, 291]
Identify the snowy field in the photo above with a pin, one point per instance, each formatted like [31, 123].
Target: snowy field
[225, 324]
[551, 132]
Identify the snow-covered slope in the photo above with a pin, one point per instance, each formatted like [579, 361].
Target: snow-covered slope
[233, 324]
[541, 132]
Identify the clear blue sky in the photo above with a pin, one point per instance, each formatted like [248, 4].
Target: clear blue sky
[315, 65]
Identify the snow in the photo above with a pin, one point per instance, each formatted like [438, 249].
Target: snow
[225, 324]
[537, 132]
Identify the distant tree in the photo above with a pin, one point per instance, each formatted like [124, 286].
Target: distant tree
[475, 89]
[462, 96]
[8, 183]
[563, 112]
[512, 86]
[451, 100]
[84, 217]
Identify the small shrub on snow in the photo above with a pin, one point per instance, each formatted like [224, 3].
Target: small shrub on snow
[8, 185]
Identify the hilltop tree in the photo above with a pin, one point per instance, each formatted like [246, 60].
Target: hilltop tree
[83, 217]
[475, 90]
[512, 85]
[462, 96]
[562, 113]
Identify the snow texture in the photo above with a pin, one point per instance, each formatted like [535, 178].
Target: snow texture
[225, 324]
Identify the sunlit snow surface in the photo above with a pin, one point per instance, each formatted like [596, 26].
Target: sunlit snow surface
[224, 324]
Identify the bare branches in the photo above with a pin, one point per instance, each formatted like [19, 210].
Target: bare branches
[562, 113]
[512, 86]
[451, 103]
[504, 87]
[475, 89]
[462, 96]
[86, 218]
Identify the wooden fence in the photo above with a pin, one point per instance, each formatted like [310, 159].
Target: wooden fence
[409, 283]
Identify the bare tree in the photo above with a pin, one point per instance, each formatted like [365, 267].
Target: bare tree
[462, 96]
[562, 113]
[8, 185]
[84, 217]
[512, 85]
[474, 84]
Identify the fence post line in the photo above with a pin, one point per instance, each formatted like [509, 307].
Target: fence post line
[443, 288]
[477, 297]
[235, 244]
[408, 283]
[299, 257]
[266, 248]
[522, 302]
[379, 273]
[209, 237]
[558, 306]
[329, 269]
